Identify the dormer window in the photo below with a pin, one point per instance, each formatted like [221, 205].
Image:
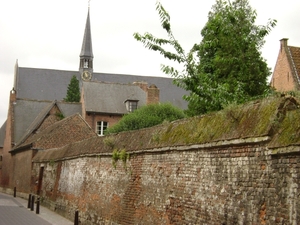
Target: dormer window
[131, 105]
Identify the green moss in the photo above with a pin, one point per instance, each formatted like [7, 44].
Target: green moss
[288, 130]
[155, 137]
[109, 141]
[253, 119]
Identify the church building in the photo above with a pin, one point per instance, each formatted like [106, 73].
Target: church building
[37, 99]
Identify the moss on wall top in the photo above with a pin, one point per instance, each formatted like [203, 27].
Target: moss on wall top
[277, 117]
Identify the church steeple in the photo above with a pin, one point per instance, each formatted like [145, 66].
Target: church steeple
[86, 54]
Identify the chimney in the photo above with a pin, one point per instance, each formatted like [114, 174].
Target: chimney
[283, 43]
[143, 85]
[152, 94]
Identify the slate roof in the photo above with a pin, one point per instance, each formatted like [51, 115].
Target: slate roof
[73, 128]
[110, 97]
[30, 113]
[295, 57]
[31, 84]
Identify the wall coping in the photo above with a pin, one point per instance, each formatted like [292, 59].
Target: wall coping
[216, 144]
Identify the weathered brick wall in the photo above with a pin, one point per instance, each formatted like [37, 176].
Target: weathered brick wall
[237, 166]
[21, 177]
[232, 184]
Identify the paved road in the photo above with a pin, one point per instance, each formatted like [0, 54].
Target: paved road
[13, 211]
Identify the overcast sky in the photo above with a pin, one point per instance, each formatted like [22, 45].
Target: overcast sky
[48, 34]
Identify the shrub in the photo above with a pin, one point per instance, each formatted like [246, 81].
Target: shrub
[147, 116]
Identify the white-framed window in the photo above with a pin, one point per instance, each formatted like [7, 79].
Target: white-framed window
[101, 127]
[131, 105]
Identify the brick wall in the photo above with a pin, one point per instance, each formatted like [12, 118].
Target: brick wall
[224, 185]
[21, 176]
[8, 142]
[236, 166]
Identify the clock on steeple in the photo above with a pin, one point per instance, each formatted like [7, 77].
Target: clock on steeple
[86, 76]
[86, 54]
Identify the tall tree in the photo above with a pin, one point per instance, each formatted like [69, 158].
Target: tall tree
[73, 92]
[227, 65]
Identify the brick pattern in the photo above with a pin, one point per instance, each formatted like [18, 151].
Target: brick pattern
[152, 94]
[21, 176]
[283, 78]
[8, 142]
[228, 185]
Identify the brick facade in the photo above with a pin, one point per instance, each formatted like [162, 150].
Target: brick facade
[6, 169]
[21, 171]
[93, 118]
[284, 77]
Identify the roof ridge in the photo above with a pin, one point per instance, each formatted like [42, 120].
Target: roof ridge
[106, 82]
[293, 46]
[36, 122]
[293, 65]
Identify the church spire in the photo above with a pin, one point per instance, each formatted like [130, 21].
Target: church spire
[86, 54]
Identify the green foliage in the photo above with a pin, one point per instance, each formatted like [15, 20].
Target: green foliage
[119, 154]
[226, 66]
[124, 156]
[147, 116]
[73, 92]
[51, 162]
[60, 115]
[115, 157]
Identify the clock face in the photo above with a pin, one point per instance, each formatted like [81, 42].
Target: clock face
[86, 75]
